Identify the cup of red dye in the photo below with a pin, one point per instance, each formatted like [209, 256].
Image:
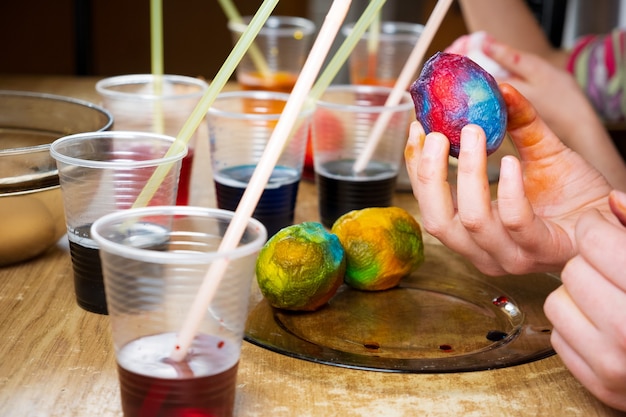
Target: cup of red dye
[159, 104]
[154, 261]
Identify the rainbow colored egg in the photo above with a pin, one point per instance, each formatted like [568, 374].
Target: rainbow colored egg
[453, 91]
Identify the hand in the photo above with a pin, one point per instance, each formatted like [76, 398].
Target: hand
[587, 310]
[562, 105]
[552, 91]
[530, 226]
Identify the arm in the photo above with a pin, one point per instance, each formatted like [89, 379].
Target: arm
[511, 22]
[530, 227]
[589, 331]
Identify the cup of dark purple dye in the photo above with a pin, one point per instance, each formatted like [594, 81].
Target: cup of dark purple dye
[105, 172]
[341, 128]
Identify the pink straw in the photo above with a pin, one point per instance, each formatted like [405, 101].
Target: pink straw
[262, 173]
[403, 82]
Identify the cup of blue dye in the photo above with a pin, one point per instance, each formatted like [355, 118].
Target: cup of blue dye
[241, 124]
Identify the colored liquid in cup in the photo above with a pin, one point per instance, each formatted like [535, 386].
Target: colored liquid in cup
[276, 206]
[282, 82]
[369, 77]
[340, 191]
[88, 281]
[202, 385]
[184, 181]
[87, 268]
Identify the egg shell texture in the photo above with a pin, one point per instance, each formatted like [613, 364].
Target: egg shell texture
[453, 91]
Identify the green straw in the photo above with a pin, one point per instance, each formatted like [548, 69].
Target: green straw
[156, 49]
[374, 34]
[373, 41]
[218, 83]
[257, 57]
[156, 36]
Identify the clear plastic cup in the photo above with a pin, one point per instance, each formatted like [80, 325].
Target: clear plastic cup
[104, 172]
[382, 63]
[138, 102]
[283, 43]
[240, 126]
[154, 261]
[341, 127]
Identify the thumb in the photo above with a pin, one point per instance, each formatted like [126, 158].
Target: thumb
[532, 137]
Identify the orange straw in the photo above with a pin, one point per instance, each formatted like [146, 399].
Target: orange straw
[403, 82]
[252, 194]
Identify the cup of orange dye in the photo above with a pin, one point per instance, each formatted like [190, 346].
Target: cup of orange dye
[283, 43]
[382, 64]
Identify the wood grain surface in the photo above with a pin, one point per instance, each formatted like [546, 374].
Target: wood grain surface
[57, 360]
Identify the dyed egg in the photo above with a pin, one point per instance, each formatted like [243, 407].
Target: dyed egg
[453, 91]
[301, 267]
[382, 245]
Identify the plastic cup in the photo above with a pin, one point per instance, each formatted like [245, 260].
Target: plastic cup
[100, 173]
[341, 126]
[396, 41]
[154, 260]
[283, 43]
[240, 126]
[137, 104]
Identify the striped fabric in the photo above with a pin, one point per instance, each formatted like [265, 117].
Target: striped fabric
[598, 62]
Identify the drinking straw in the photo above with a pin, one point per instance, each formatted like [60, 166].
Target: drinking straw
[372, 46]
[341, 56]
[261, 174]
[257, 57]
[403, 81]
[156, 35]
[156, 49]
[196, 117]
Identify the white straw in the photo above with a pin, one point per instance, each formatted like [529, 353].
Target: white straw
[403, 81]
[262, 173]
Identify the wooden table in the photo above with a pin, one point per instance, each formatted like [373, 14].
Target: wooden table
[57, 360]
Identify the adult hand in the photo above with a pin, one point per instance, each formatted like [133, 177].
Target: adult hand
[587, 310]
[530, 226]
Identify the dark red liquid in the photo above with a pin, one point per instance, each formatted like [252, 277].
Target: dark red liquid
[184, 180]
[195, 397]
[339, 193]
[177, 391]
[500, 301]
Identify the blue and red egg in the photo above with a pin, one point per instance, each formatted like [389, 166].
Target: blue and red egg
[453, 91]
